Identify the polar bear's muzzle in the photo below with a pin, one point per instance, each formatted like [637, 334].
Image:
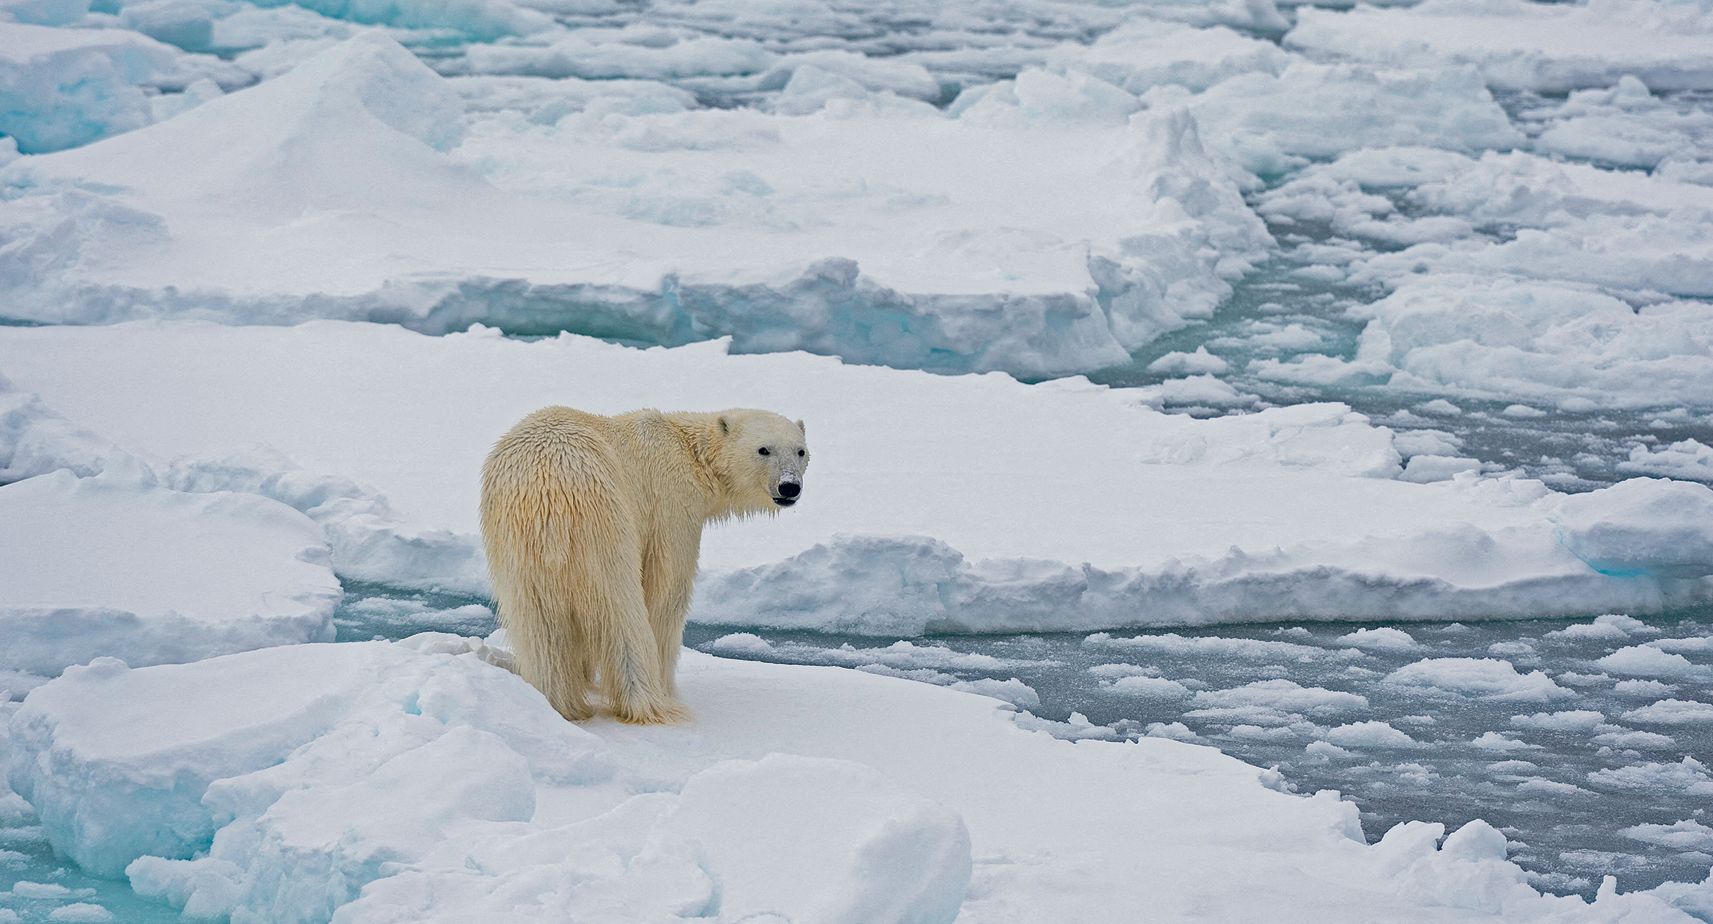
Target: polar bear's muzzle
[787, 493]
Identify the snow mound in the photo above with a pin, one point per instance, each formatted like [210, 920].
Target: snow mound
[116, 565]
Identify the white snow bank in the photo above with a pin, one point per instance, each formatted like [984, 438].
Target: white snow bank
[882, 234]
[1118, 515]
[417, 781]
[60, 88]
[1520, 45]
[115, 565]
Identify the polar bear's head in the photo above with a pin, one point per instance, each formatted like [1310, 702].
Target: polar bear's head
[763, 457]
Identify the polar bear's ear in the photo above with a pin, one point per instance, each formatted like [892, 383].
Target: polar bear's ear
[725, 425]
[800, 428]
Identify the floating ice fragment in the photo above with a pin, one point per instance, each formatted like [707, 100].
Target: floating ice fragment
[1685, 459]
[114, 565]
[1647, 661]
[1575, 720]
[1494, 741]
[1325, 750]
[1424, 469]
[1635, 740]
[1643, 688]
[1490, 678]
[1426, 442]
[1145, 53]
[1688, 777]
[1673, 712]
[80, 913]
[1370, 735]
[1175, 730]
[175, 22]
[1201, 362]
[1077, 728]
[1687, 834]
[1012, 691]
[1551, 787]
[1518, 45]
[1283, 695]
[24, 888]
[1609, 627]
[1148, 687]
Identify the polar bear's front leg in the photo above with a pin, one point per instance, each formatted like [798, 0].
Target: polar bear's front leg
[668, 579]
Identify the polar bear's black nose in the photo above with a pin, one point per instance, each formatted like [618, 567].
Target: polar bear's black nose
[789, 489]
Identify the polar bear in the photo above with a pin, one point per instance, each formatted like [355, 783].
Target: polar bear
[593, 526]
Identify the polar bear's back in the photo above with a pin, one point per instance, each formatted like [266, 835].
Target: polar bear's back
[555, 467]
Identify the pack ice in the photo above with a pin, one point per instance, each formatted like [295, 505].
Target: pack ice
[1115, 514]
[1509, 199]
[328, 192]
[419, 781]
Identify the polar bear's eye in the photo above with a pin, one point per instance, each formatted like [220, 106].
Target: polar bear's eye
[799, 453]
[763, 451]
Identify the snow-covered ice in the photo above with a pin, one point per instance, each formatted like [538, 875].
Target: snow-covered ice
[1394, 320]
[418, 781]
[119, 565]
[1288, 512]
[710, 222]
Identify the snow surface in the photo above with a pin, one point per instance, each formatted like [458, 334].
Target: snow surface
[1292, 512]
[114, 563]
[418, 781]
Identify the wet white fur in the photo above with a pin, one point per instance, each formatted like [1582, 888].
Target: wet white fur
[593, 526]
